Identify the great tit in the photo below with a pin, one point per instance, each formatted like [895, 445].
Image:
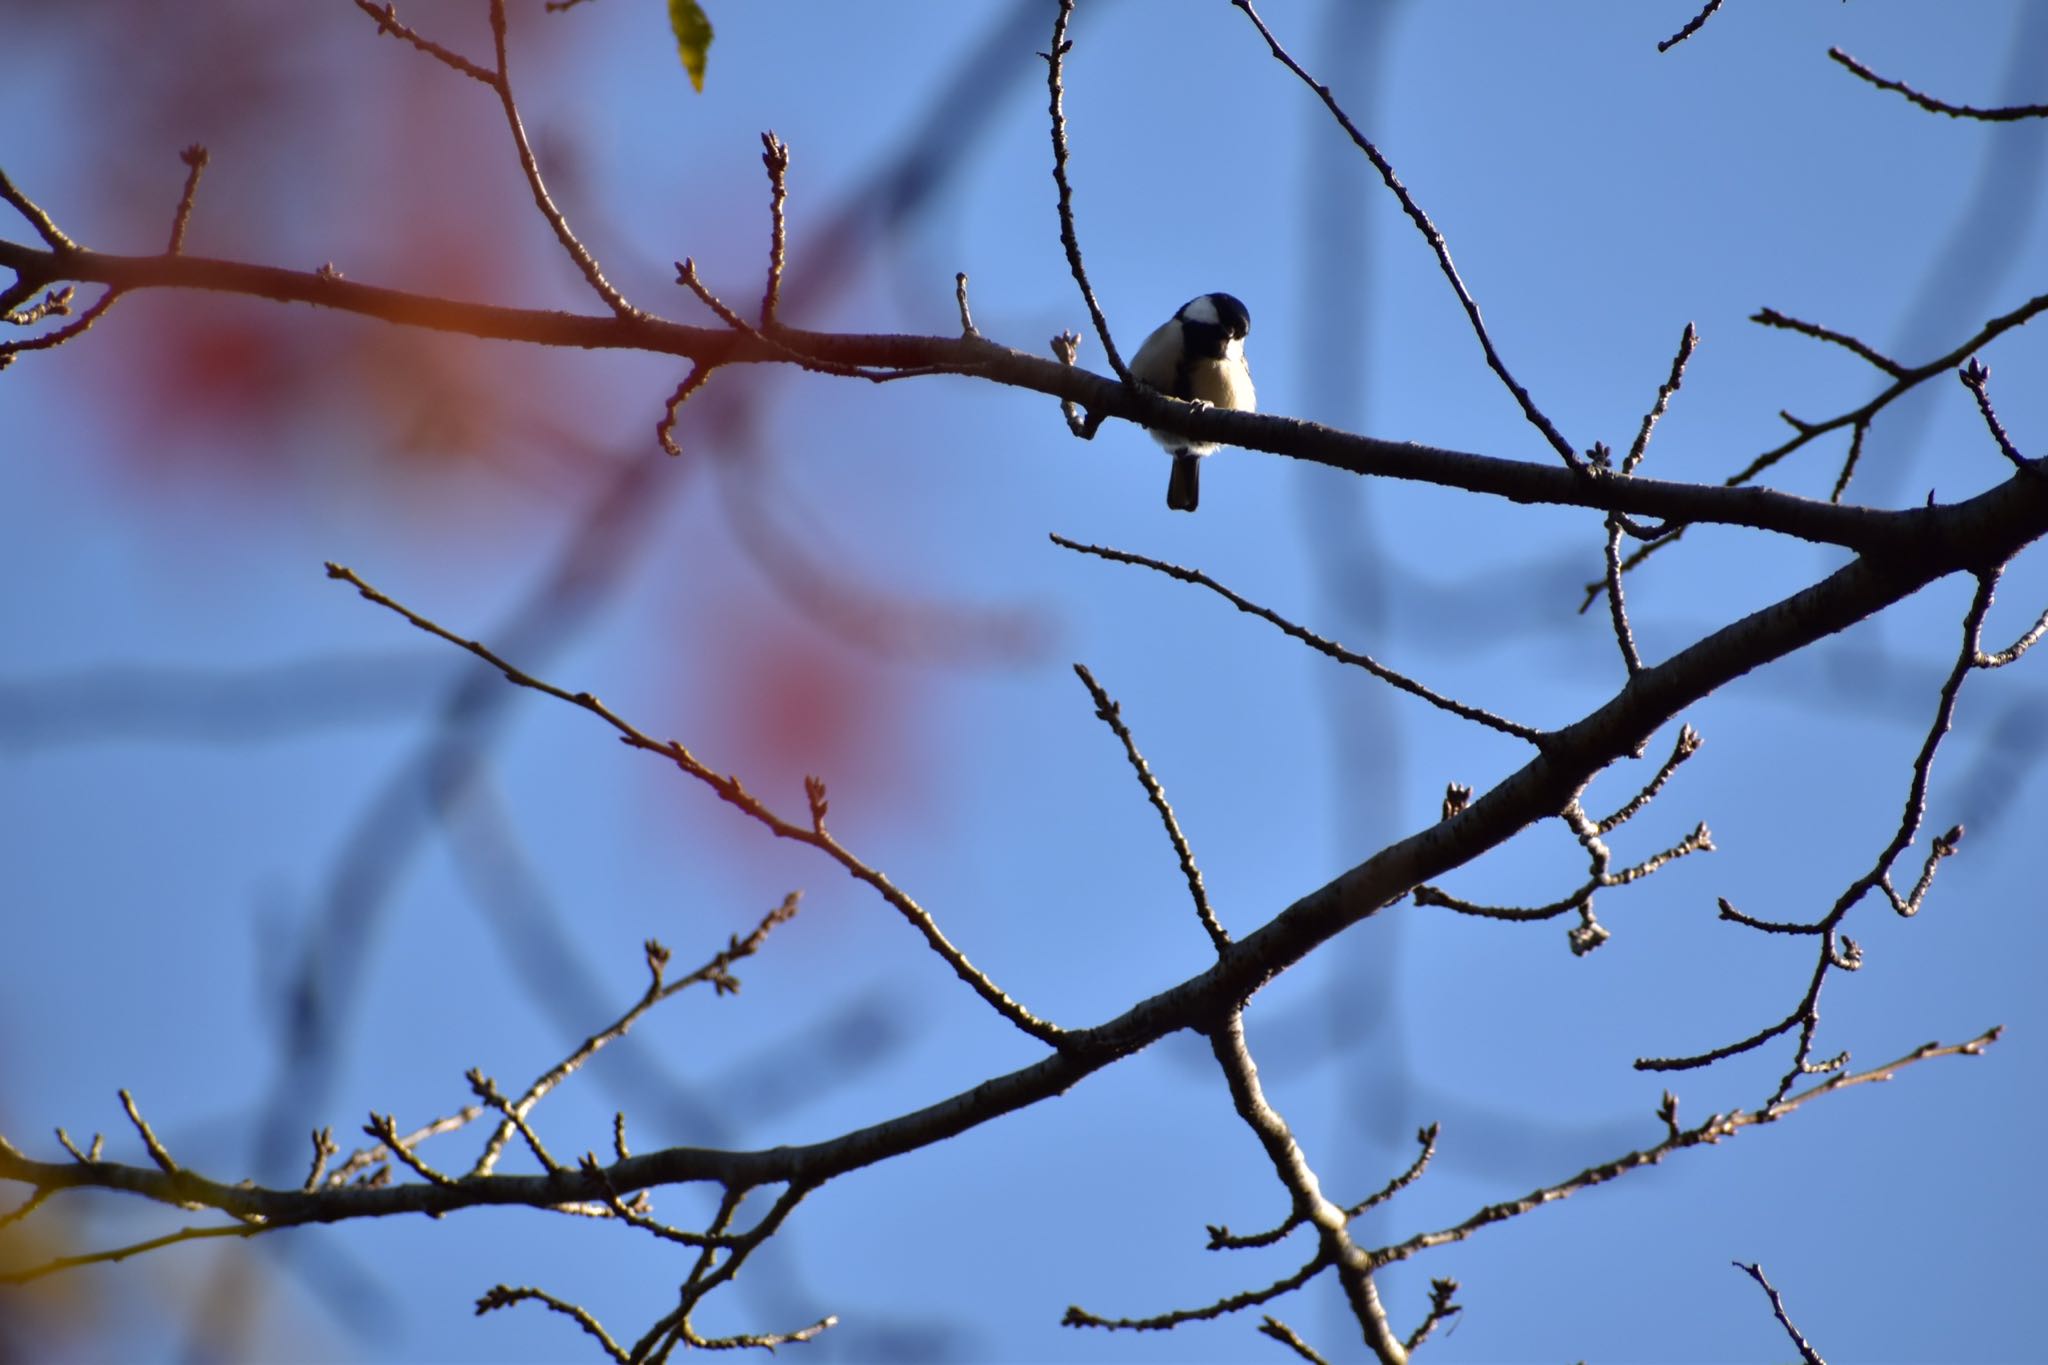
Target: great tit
[1197, 355]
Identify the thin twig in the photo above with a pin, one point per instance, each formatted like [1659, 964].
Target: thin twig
[149, 1139]
[323, 1150]
[1110, 713]
[500, 80]
[195, 159]
[1687, 744]
[1768, 926]
[1857, 419]
[671, 412]
[967, 327]
[1688, 340]
[1937, 730]
[686, 275]
[387, 22]
[2016, 648]
[55, 303]
[1286, 1336]
[633, 1218]
[69, 331]
[729, 1202]
[1221, 1238]
[1849, 461]
[61, 1263]
[542, 200]
[1427, 894]
[1692, 26]
[1066, 347]
[34, 1201]
[1806, 1351]
[1903, 380]
[486, 1089]
[1976, 377]
[1310, 638]
[1588, 934]
[775, 156]
[1077, 1316]
[1771, 317]
[674, 1328]
[730, 790]
[504, 1296]
[1698, 841]
[717, 971]
[385, 1130]
[1427, 1137]
[1436, 241]
[2007, 114]
[45, 226]
[1440, 1307]
[1715, 1129]
[764, 1341]
[364, 1158]
[1069, 238]
[1836, 950]
[1617, 606]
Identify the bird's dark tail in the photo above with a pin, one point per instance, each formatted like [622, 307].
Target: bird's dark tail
[1184, 488]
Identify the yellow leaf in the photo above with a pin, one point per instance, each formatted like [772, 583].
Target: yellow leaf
[686, 19]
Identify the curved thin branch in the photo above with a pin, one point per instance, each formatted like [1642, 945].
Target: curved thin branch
[1055, 62]
[730, 790]
[1804, 1347]
[38, 217]
[530, 164]
[1716, 1128]
[1311, 639]
[2007, 114]
[1692, 26]
[1429, 232]
[1110, 713]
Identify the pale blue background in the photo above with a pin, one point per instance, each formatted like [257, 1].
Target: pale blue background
[194, 723]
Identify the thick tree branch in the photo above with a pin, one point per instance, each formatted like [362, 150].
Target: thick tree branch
[1860, 529]
[1984, 531]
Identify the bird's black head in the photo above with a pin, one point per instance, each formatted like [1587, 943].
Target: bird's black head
[1225, 312]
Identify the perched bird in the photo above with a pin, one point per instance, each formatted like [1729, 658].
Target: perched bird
[1197, 355]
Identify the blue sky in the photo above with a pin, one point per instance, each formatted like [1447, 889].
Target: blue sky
[202, 741]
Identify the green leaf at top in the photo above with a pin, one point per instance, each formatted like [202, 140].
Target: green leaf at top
[686, 19]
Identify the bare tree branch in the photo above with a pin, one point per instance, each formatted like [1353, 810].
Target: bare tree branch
[1859, 529]
[2007, 114]
[1110, 713]
[1716, 1128]
[1805, 1349]
[732, 792]
[1429, 232]
[1692, 26]
[1309, 638]
[1055, 61]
